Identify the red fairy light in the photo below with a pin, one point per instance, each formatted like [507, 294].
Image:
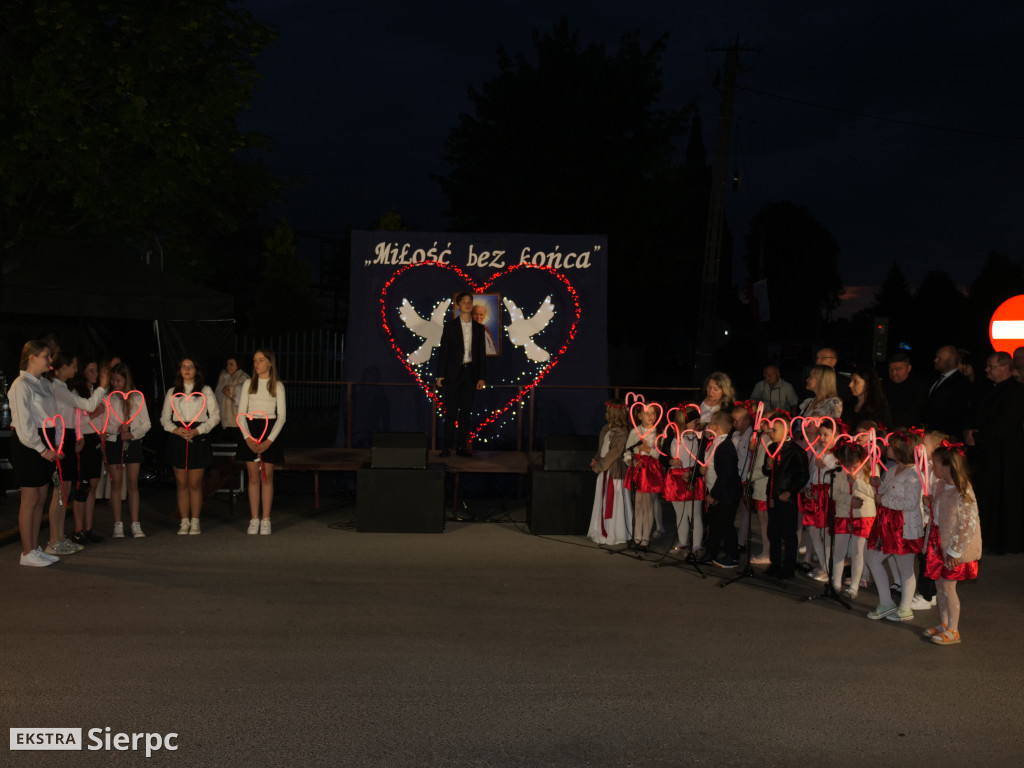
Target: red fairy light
[480, 288]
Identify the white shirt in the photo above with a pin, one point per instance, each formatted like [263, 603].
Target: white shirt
[261, 400]
[203, 417]
[711, 477]
[140, 423]
[32, 401]
[69, 402]
[743, 452]
[467, 340]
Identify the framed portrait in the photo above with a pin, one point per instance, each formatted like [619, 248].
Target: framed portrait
[487, 312]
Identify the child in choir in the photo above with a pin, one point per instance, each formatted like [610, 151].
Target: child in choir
[814, 500]
[744, 441]
[129, 423]
[954, 541]
[724, 489]
[644, 476]
[609, 526]
[684, 488]
[758, 493]
[855, 513]
[265, 393]
[899, 529]
[786, 468]
[925, 597]
[91, 462]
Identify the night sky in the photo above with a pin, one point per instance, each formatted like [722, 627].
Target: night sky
[907, 146]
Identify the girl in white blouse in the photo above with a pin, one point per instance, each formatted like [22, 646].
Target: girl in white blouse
[190, 412]
[261, 416]
[129, 423]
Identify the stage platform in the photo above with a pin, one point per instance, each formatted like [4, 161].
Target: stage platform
[317, 460]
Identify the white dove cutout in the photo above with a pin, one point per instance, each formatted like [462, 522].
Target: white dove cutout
[428, 330]
[522, 329]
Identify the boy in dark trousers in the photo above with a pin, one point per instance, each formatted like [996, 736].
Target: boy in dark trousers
[723, 496]
[787, 473]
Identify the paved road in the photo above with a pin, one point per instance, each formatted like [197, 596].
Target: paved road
[483, 646]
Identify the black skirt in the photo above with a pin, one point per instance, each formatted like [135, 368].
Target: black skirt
[183, 454]
[132, 451]
[273, 455]
[30, 469]
[91, 461]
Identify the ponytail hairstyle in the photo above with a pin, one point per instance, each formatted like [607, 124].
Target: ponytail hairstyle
[951, 455]
[59, 360]
[31, 349]
[254, 382]
[849, 454]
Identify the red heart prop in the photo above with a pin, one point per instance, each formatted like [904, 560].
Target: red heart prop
[664, 436]
[661, 411]
[921, 465]
[700, 435]
[250, 417]
[817, 421]
[778, 447]
[187, 397]
[124, 396]
[427, 387]
[52, 422]
[685, 408]
[758, 415]
[856, 470]
[106, 421]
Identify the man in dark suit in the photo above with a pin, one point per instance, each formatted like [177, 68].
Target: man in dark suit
[460, 371]
[905, 393]
[949, 397]
[723, 494]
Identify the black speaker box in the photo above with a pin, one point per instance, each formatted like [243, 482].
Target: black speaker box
[400, 500]
[569, 453]
[560, 502]
[399, 450]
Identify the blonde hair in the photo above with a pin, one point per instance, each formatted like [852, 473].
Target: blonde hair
[254, 382]
[615, 413]
[826, 378]
[723, 381]
[31, 349]
[958, 469]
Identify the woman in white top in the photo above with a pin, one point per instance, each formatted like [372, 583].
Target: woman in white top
[190, 413]
[64, 366]
[229, 392]
[259, 448]
[129, 423]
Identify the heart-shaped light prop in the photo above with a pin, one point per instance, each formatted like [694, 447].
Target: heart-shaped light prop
[51, 423]
[125, 397]
[817, 421]
[669, 425]
[778, 448]
[698, 435]
[921, 465]
[644, 407]
[250, 417]
[106, 421]
[854, 471]
[758, 415]
[464, 279]
[186, 398]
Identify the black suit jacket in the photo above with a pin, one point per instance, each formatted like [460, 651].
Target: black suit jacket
[453, 350]
[728, 487]
[946, 406]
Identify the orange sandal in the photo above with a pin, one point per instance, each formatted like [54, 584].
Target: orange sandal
[949, 637]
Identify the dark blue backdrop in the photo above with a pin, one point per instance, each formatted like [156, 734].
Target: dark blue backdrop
[427, 268]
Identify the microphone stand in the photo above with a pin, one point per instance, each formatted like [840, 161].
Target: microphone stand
[828, 591]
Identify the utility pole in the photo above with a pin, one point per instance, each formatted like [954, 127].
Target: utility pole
[716, 213]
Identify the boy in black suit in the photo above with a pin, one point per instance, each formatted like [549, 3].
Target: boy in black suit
[723, 495]
[460, 370]
[787, 472]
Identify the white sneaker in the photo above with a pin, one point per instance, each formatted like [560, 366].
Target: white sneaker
[118, 530]
[35, 559]
[254, 526]
[137, 531]
[184, 528]
[194, 529]
[46, 557]
[919, 603]
[77, 547]
[819, 574]
[60, 548]
[265, 526]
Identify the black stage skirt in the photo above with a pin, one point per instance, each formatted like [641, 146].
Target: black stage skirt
[30, 469]
[90, 458]
[132, 452]
[273, 455]
[197, 453]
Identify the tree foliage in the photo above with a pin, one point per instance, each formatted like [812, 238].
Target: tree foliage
[283, 300]
[799, 258]
[572, 140]
[119, 120]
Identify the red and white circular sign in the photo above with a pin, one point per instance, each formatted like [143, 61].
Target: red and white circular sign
[1006, 329]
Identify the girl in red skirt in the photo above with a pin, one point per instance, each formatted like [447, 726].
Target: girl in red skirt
[814, 501]
[954, 540]
[899, 529]
[855, 513]
[684, 487]
[644, 475]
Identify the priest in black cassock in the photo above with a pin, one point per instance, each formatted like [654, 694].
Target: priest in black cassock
[997, 433]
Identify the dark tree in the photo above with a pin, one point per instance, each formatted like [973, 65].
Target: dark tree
[119, 122]
[800, 260]
[573, 140]
[939, 312]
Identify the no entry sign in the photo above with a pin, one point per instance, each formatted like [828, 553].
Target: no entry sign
[1006, 330]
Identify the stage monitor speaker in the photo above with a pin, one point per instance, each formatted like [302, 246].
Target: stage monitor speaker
[560, 502]
[399, 450]
[400, 500]
[569, 453]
